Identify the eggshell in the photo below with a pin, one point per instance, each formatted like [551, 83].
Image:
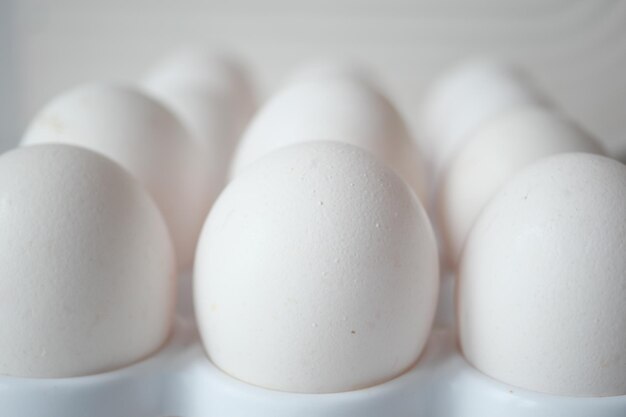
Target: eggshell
[337, 109]
[209, 71]
[316, 272]
[87, 265]
[212, 124]
[462, 98]
[492, 155]
[145, 138]
[543, 280]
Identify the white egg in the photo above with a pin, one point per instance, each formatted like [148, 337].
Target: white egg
[335, 109]
[143, 137]
[88, 269]
[491, 155]
[316, 271]
[462, 98]
[210, 121]
[211, 72]
[543, 280]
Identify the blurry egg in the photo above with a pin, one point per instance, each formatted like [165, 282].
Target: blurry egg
[491, 155]
[88, 268]
[210, 122]
[543, 280]
[210, 72]
[143, 137]
[316, 272]
[461, 99]
[334, 109]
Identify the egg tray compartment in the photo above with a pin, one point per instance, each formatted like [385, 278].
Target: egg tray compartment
[179, 380]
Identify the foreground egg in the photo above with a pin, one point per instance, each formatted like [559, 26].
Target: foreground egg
[464, 97]
[142, 136]
[316, 272]
[87, 265]
[334, 108]
[492, 155]
[542, 280]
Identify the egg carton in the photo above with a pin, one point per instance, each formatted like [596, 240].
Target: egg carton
[181, 381]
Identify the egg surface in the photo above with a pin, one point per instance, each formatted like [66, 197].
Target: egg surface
[462, 98]
[316, 272]
[335, 109]
[542, 280]
[211, 72]
[211, 123]
[88, 269]
[142, 136]
[491, 156]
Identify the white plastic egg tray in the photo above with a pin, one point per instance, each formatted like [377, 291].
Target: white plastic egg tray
[180, 381]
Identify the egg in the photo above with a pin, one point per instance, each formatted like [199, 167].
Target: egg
[142, 136]
[316, 272]
[462, 98]
[340, 109]
[88, 268]
[210, 72]
[542, 280]
[211, 123]
[492, 154]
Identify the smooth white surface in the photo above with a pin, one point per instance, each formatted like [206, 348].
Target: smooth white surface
[542, 279]
[87, 265]
[316, 271]
[492, 155]
[464, 97]
[334, 108]
[142, 136]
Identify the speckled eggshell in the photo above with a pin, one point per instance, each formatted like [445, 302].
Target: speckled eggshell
[462, 98]
[542, 280]
[316, 272]
[88, 269]
[336, 109]
[492, 155]
[142, 136]
[211, 72]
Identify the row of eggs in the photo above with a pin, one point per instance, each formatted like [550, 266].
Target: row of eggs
[317, 269]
